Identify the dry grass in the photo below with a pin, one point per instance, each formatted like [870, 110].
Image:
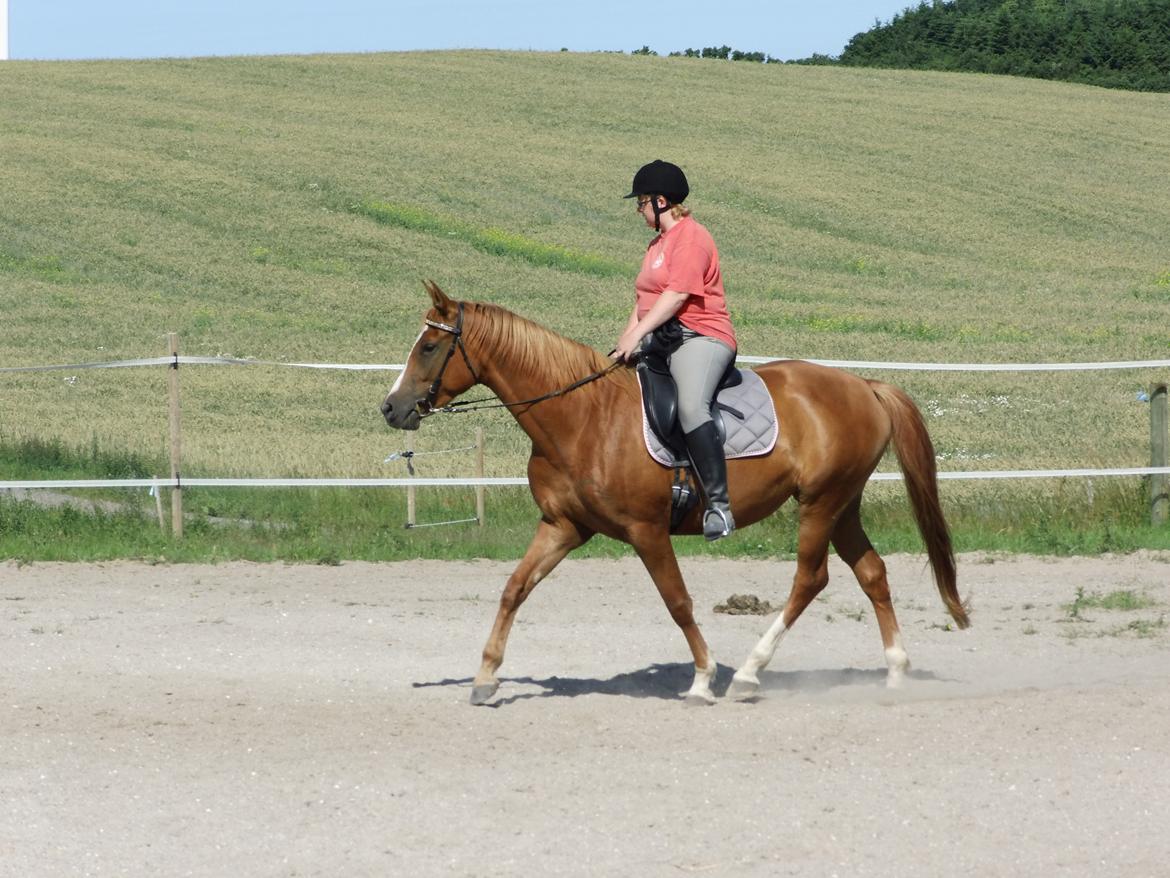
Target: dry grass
[860, 214]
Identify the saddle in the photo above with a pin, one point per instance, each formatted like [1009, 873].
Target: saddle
[660, 404]
[749, 429]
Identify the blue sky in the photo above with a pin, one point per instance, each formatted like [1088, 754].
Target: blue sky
[62, 29]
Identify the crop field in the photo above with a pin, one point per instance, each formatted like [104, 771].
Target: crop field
[287, 208]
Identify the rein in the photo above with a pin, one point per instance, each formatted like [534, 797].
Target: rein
[425, 407]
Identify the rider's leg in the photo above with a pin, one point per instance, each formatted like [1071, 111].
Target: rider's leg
[696, 368]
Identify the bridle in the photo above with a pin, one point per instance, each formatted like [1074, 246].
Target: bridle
[426, 406]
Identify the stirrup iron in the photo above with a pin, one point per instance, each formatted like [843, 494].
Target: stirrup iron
[717, 523]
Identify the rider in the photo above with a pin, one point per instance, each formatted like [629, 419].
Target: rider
[679, 308]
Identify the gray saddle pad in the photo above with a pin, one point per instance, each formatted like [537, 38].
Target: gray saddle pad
[754, 435]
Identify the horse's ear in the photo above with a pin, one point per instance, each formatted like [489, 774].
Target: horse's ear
[439, 299]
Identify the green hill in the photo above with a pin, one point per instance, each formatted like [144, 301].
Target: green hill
[1111, 43]
[286, 208]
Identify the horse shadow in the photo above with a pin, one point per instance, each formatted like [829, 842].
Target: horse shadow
[670, 681]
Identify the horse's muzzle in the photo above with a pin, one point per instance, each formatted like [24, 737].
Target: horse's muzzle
[400, 417]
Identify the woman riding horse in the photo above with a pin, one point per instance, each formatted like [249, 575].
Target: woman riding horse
[834, 429]
[680, 311]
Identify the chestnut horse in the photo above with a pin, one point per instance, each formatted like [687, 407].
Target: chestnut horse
[590, 472]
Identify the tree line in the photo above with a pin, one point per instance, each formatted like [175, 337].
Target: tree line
[1110, 43]
[723, 53]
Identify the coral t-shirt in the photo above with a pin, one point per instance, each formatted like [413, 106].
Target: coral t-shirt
[684, 260]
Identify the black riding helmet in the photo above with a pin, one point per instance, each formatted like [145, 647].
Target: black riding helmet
[660, 178]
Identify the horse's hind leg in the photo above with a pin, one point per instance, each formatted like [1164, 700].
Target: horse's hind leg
[856, 550]
[812, 575]
[553, 540]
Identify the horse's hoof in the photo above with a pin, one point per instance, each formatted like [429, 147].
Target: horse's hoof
[895, 680]
[482, 694]
[699, 699]
[742, 690]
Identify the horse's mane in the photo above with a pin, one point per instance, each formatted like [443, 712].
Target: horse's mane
[526, 347]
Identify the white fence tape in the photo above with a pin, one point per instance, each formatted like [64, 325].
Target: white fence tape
[261, 483]
[71, 367]
[45, 484]
[398, 367]
[204, 361]
[977, 367]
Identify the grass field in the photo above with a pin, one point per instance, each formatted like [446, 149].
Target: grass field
[286, 209]
[329, 525]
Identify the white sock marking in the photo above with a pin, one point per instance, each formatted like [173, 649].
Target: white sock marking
[402, 374]
[764, 650]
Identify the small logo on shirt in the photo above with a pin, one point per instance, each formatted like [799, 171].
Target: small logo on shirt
[657, 263]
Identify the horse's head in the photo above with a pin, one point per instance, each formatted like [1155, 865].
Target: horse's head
[433, 375]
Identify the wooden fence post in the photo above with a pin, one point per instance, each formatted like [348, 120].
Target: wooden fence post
[479, 467]
[176, 437]
[1159, 456]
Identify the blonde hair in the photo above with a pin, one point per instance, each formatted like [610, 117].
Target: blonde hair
[678, 211]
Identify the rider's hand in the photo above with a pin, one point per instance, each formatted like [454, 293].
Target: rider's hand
[626, 347]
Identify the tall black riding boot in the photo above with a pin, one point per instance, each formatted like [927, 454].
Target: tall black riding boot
[706, 453]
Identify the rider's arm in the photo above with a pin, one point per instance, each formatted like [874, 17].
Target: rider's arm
[665, 307]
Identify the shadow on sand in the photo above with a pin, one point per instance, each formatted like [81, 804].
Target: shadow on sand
[670, 682]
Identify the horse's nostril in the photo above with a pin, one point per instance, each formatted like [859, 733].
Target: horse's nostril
[386, 407]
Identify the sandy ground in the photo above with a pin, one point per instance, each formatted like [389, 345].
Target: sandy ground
[272, 720]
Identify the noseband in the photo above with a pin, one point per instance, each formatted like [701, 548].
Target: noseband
[426, 405]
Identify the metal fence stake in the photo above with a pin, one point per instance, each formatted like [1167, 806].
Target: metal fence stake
[1159, 456]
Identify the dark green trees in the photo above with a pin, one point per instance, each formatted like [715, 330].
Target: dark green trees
[1112, 43]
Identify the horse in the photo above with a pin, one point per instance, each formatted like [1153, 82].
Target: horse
[590, 473]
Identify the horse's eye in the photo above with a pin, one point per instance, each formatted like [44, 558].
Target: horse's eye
[429, 347]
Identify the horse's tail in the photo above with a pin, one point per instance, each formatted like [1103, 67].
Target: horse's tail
[916, 455]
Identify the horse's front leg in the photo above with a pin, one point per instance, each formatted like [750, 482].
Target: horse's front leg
[657, 553]
[552, 541]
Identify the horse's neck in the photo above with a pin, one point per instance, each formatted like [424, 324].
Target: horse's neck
[512, 385]
[515, 378]
[515, 364]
